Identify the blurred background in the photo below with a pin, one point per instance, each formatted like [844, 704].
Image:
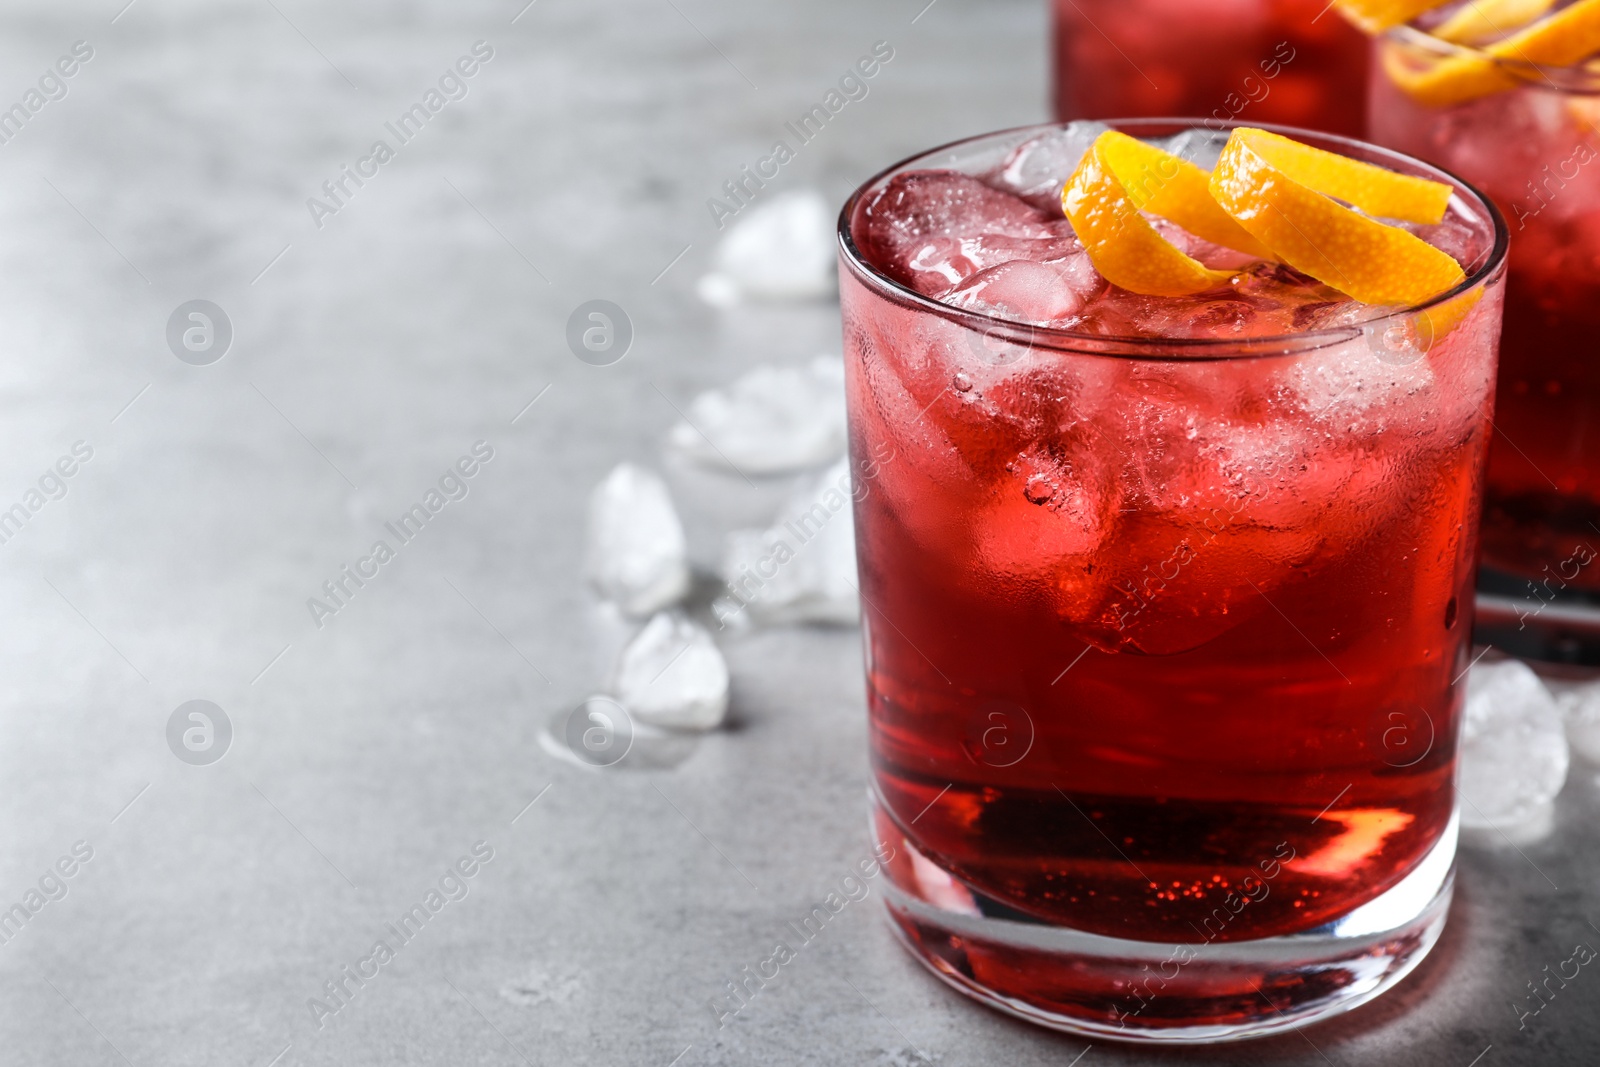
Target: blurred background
[348, 357]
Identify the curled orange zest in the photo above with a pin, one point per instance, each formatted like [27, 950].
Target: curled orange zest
[1375, 16]
[1120, 176]
[1282, 192]
[1566, 38]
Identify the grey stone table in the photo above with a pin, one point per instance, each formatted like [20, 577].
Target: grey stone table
[373, 342]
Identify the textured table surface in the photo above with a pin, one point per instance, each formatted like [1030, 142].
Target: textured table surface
[370, 754]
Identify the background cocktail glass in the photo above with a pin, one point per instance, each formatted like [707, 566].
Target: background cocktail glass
[1533, 148]
[1291, 62]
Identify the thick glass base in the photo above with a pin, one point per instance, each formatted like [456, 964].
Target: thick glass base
[1153, 992]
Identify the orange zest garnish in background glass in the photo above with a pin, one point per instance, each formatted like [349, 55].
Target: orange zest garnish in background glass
[1375, 16]
[1117, 179]
[1482, 21]
[1561, 40]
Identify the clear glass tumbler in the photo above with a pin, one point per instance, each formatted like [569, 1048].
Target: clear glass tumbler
[1164, 641]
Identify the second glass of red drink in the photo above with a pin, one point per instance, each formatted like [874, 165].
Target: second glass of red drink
[1527, 136]
[1290, 62]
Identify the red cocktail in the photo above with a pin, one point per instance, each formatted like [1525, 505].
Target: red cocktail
[1532, 146]
[1292, 62]
[1167, 600]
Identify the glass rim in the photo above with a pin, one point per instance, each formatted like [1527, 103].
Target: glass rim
[1194, 348]
[1578, 78]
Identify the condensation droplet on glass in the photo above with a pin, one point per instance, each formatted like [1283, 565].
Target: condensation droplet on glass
[961, 383]
[1039, 490]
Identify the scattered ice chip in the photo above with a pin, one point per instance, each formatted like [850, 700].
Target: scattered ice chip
[1037, 169]
[539, 986]
[1580, 704]
[783, 249]
[906, 1056]
[636, 555]
[772, 420]
[718, 290]
[672, 675]
[1513, 748]
[802, 569]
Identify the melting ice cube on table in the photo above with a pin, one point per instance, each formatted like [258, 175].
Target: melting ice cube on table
[801, 569]
[672, 675]
[1580, 704]
[782, 249]
[772, 420]
[1513, 748]
[637, 556]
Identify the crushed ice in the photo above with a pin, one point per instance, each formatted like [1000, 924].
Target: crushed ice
[1513, 749]
[783, 249]
[1038, 168]
[671, 681]
[672, 675]
[1022, 290]
[637, 556]
[1580, 706]
[772, 420]
[803, 567]
[538, 986]
[1199, 146]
